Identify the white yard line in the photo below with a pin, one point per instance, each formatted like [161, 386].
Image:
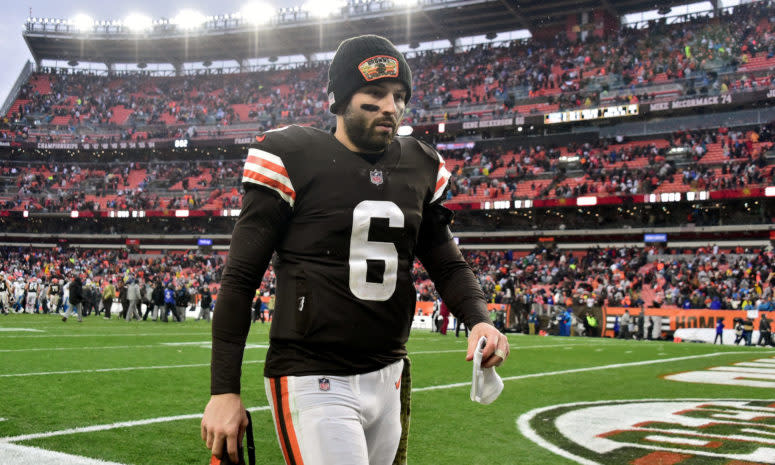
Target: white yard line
[194, 365]
[252, 346]
[25, 455]
[122, 424]
[513, 346]
[107, 370]
[583, 370]
[114, 334]
[127, 424]
[169, 345]
[47, 349]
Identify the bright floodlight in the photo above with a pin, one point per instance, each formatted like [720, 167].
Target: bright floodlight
[82, 22]
[323, 8]
[138, 23]
[189, 19]
[257, 13]
[405, 130]
[406, 3]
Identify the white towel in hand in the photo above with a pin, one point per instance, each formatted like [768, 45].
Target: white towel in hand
[486, 385]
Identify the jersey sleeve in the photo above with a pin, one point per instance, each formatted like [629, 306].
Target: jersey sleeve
[260, 226]
[442, 181]
[264, 168]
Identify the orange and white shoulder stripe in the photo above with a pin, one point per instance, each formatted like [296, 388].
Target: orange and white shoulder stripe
[268, 170]
[442, 178]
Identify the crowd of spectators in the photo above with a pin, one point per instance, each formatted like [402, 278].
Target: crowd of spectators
[129, 185]
[612, 168]
[604, 167]
[706, 277]
[703, 54]
[188, 273]
[545, 278]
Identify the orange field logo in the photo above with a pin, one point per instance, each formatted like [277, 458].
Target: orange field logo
[654, 432]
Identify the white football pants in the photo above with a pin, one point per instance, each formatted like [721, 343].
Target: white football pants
[342, 420]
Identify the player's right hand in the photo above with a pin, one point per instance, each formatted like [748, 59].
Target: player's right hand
[224, 422]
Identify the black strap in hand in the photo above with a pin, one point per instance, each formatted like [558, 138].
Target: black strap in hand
[225, 460]
[251, 444]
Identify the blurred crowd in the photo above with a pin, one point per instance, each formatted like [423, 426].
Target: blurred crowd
[606, 167]
[32, 276]
[545, 279]
[704, 54]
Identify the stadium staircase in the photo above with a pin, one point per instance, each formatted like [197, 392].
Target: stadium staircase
[135, 177]
[17, 105]
[120, 114]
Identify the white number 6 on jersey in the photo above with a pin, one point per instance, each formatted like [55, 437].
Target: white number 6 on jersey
[362, 249]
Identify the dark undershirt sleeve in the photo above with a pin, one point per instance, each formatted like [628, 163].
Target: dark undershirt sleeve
[453, 277]
[259, 228]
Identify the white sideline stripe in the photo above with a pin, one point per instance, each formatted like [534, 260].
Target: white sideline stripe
[107, 370]
[122, 424]
[247, 346]
[193, 365]
[127, 424]
[25, 455]
[170, 345]
[25, 330]
[513, 346]
[42, 349]
[583, 370]
[116, 334]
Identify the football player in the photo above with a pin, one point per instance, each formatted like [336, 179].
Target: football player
[5, 288]
[346, 212]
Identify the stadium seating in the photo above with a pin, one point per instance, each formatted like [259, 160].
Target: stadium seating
[518, 77]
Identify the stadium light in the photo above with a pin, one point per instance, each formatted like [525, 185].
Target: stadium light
[138, 23]
[405, 130]
[324, 8]
[257, 13]
[189, 19]
[406, 3]
[82, 22]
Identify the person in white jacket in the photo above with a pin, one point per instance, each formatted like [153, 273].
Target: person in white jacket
[133, 295]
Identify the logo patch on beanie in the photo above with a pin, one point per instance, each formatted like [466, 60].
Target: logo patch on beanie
[378, 67]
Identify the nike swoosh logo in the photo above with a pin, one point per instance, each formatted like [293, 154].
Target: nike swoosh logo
[260, 138]
[398, 383]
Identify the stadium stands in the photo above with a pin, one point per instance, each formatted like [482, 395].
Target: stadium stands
[697, 57]
[707, 277]
[723, 57]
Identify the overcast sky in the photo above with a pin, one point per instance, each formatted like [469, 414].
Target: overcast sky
[14, 50]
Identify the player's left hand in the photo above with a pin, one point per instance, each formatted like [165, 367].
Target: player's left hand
[497, 349]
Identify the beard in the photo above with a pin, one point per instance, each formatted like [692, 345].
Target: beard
[363, 133]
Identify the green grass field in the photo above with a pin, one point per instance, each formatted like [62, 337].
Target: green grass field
[133, 393]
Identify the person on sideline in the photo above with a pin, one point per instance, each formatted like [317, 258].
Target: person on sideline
[719, 331]
[76, 298]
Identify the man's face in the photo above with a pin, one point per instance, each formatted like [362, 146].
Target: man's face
[372, 117]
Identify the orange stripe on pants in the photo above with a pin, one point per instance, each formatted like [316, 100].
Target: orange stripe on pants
[284, 422]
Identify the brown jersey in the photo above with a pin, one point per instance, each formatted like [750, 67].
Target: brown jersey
[345, 297]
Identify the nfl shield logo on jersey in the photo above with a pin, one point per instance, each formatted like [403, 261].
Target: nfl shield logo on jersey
[376, 177]
[324, 384]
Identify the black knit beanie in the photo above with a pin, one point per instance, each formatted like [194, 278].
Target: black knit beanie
[361, 60]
